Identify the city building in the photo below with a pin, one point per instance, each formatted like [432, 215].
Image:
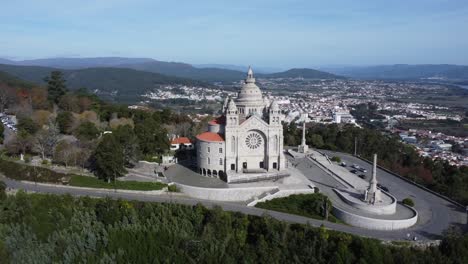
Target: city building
[344, 117]
[246, 142]
[182, 143]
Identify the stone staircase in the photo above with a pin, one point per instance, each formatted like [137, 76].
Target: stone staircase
[262, 197]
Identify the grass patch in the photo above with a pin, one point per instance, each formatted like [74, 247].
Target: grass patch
[308, 205]
[92, 182]
[23, 172]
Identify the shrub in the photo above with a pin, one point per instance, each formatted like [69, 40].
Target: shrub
[408, 201]
[336, 159]
[172, 188]
[45, 162]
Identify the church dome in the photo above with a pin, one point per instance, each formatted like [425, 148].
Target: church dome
[250, 91]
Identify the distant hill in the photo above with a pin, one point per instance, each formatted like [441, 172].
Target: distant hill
[78, 63]
[405, 71]
[207, 73]
[241, 68]
[12, 81]
[302, 73]
[120, 84]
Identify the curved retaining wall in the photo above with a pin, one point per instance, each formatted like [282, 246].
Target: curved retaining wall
[375, 209]
[373, 223]
[223, 194]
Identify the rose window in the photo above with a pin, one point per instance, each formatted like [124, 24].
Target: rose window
[253, 140]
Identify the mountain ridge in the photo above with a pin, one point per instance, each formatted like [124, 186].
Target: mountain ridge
[121, 84]
[404, 71]
[178, 69]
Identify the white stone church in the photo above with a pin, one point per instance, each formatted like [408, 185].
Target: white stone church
[245, 143]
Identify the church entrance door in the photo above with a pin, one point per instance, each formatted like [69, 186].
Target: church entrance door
[244, 165]
[261, 165]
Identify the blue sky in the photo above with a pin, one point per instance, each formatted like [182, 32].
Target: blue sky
[264, 32]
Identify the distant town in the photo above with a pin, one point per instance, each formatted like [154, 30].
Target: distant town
[335, 101]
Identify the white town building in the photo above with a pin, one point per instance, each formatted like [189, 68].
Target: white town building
[246, 142]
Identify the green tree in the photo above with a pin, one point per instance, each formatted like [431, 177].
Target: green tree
[109, 158]
[2, 130]
[87, 131]
[152, 137]
[27, 125]
[56, 87]
[64, 121]
[129, 142]
[2, 191]
[316, 140]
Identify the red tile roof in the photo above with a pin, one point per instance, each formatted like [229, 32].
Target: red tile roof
[181, 140]
[210, 136]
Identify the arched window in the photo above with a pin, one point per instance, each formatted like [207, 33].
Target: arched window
[208, 160]
[275, 142]
[220, 161]
[233, 144]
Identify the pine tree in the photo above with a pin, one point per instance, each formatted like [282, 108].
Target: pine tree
[56, 87]
[109, 158]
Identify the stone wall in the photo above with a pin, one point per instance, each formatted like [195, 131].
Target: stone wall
[384, 209]
[374, 223]
[223, 194]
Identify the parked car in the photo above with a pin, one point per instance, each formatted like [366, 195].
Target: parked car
[383, 188]
[363, 170]
[355, 166]
[362, 176]
[354, 171]
[343, 164]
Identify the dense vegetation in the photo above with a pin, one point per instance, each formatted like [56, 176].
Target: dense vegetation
[314, 205]
[75, 128]
[448, 127]
[46, 229]
[437, 175]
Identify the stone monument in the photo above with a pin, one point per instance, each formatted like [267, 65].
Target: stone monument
[373, 194]
[303, 148]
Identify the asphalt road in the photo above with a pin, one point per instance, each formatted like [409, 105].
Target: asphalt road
[435, 214]
[233, 207]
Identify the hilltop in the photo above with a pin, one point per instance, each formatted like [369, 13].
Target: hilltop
[120, 84]
[208, 73]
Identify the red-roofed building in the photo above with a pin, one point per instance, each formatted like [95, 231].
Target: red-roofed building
[181, 143]
[210, 137]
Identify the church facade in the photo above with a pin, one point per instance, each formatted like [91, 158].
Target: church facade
[246, 142]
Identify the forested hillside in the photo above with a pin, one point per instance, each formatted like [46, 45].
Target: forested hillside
[119, 84]
[52, 229]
